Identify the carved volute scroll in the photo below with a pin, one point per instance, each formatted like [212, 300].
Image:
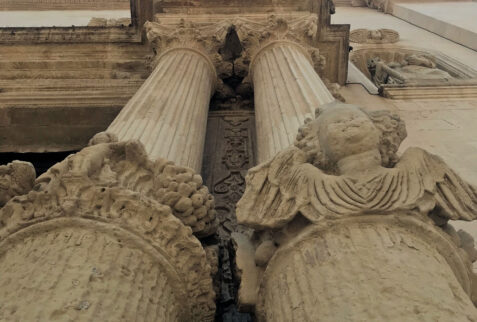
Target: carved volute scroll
[337, 207]
[109, 216]
[254, 31]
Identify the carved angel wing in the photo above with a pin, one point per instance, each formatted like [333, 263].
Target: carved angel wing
[455, 199]
[277, 190]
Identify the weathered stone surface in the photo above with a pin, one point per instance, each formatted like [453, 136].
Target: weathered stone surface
[98, 244]
[287, 90]
[56, 96]
[378, 36]
[16, 178]
[414, 68]
[63, 4]
[343, 178]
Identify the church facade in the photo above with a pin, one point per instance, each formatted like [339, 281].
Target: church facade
[238, 161]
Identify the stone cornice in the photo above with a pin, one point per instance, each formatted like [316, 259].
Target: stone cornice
[33, 35]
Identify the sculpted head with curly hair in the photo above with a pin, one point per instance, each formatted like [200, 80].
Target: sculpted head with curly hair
[341, 131]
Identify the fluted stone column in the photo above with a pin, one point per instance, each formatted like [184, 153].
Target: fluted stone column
[370, 269]
[168, 114]
[287, 90]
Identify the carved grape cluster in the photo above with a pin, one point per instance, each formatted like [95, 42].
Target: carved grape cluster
[182, 190]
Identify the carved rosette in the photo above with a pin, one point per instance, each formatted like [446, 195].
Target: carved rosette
[92, 241]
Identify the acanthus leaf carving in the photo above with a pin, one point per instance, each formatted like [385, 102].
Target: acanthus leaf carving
[116, 184]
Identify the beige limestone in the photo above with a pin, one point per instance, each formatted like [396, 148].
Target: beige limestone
[168, 114]
[341, 195]
[451, 20]
[59, 18]
[440, 119]
[378, 36]
[16, 178]
[287, 90]
[36, 5]
[411, 36]
[371, 269]
[93, 241]
[56, 96]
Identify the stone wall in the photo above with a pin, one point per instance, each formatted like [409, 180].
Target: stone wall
[62, 4]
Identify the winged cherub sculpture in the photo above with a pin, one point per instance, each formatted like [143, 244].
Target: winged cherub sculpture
[347, 231]
[344, 163]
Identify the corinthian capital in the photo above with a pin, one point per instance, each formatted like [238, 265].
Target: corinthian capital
[206, 39]
[253, 31]
[299, 29]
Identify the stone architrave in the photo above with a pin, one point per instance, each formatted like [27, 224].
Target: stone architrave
[346, 231]
[283, 71]
[377, 36]
[168, 114]
[98, 239]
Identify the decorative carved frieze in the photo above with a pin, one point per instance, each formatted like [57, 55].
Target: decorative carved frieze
[323, 208]
[377, 36]
[120, 212]
[225, 166]
[413, 73]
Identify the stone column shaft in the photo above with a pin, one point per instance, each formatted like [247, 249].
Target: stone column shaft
[287, 90]
[366, 272]
[168, 114]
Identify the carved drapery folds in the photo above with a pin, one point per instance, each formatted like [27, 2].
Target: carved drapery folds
[340, 209]
[100, 218]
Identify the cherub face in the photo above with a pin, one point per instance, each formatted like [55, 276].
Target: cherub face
[346, 130]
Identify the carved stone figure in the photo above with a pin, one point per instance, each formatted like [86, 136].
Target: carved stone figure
[380, 5]
[16, 179]
[377, 36]
[346, 230]
[412, 69]
[106, 235]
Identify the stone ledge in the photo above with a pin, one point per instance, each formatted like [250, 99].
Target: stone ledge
[38, 35]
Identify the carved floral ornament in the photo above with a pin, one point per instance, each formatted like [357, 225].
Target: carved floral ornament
[115, 185]
[254, 34]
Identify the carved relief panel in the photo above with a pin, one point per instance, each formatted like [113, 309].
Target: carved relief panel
[229, 153]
